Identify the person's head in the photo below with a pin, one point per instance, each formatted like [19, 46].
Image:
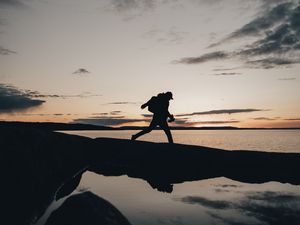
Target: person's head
[169, 95]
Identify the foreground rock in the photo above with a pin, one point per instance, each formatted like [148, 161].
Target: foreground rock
[87, 209]
[39, 166]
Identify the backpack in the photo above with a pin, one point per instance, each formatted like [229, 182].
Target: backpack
[153, 104]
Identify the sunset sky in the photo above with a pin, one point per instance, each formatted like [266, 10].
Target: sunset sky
[227, 62]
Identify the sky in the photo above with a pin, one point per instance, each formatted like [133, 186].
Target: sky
[227, 62]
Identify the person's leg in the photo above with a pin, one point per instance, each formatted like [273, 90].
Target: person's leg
[164, 125]
[145, 131]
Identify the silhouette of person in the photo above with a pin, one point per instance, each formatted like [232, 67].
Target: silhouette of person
[159, 106]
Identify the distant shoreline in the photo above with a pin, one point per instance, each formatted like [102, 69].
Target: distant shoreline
[78, 126]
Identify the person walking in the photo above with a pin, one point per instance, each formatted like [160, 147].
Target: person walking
[159, 106]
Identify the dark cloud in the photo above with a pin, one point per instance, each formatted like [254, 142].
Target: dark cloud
[269, 63]
[218, 55]
[187, 123]
[224, 69]
[229, 220]
[43, 114]
[227, 74]
[272, 197]
[212, 122]
[129, 5]
[272, 207]
[36, 94]
[11, 3]
[81, 71]
[5, 51]
[115, 112]
[107, 120]
[100, 114]
[214, 204]
[14, 100]
[222, 111]
[263, 118]
[277, 44]
[122, 5]
[147, 115]
[228, 185]
[293, 119]
[267, 207]
[111, 113]
[269, 19]
[220, 190]
[121, 103]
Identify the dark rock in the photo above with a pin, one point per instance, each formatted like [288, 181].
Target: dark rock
[86, 209]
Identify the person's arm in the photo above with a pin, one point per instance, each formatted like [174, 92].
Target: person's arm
[169, 114]
[145, 104]
[171, 118]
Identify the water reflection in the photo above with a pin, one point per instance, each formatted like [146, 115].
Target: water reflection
[212, 201]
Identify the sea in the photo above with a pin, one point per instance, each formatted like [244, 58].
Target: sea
[257, 140]
[209, 201]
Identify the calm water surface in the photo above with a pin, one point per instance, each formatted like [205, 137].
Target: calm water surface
[260, 140]
[211, 201]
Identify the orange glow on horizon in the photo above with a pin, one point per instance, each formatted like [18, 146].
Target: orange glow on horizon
[243, 124]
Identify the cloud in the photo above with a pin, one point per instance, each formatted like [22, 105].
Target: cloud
[272, 207]
[121, 103]
[14, 100]
[147, 115]
[269, 63]
[293, 119]
[214, 204]
[224, 69]
[263, 118]
[267, 207]
[228, 185]
[11, 3]
[171, 36]
[268, 20]
[277, 44]
[36, 94]
[107, 120]
[43, 114]
[227, 74]
[222, 111]
[129, 5]
[81, 71]
[188, 123]
[218, 55]
[122, 5]
[288, 78]
[112, 113]
[211, 122]
[5, 51]
[115, 112]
